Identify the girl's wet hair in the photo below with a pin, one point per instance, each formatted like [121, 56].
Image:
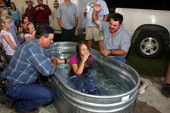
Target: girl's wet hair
[78, 47]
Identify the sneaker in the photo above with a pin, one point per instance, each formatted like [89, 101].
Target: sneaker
[166, 90]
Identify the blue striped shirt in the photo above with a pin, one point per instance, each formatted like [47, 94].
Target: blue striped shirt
[27, 61]
[67, 14]
[121, 40]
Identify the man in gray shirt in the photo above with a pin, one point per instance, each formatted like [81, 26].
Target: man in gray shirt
[116, 39]
[67, 18]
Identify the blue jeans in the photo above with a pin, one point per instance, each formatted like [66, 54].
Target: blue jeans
[29, 96]
[9, 57]
[119, 58]
[85, 83]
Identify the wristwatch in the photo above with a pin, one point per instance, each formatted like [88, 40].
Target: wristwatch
[65, 61]
[111, 51]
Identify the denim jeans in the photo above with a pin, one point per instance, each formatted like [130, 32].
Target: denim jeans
[9, 57]
[119, 58]
[85, 83]
[29, 96]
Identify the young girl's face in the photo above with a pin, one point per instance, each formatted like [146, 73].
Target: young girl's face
[83, 49]
[8, 24]
[25, 19]
[31, 28]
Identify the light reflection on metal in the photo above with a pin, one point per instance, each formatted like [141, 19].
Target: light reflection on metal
[153, 19]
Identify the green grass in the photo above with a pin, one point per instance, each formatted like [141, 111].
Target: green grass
[144, 66]
[148, 66]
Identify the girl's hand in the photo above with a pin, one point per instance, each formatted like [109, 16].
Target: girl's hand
[85, 57]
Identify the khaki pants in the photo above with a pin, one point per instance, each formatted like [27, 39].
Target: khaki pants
[93, 33]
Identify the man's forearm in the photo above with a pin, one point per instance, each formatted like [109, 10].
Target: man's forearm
[118, 52]
[76, 20]
[94, 16]
[105, 17]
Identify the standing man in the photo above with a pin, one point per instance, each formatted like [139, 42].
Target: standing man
[116, 39]
[22, 72]
[41, 13]
[67, 18]
[29, 11]
[92, 30]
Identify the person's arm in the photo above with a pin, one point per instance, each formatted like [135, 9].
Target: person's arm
[116, 52]
[46, 9]
[105, 17]
[60, 23]
[76, 17]
[78, 69]
[76, 22]
[41, 60]
[105, 11]
[60, 61]
[19, 14]
[54, 61]
[8, 40]
[95, 18]
[34, 11]
[167, 80]
[85, 12]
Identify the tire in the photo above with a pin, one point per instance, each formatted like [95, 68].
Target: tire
[149, 45]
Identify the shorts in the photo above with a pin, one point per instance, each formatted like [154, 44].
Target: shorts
[93, 33]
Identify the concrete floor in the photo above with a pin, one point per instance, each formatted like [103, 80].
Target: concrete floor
[152, 101]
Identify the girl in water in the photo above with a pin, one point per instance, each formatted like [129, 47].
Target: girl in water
[79, 75]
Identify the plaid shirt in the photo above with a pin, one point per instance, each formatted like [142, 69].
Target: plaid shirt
[27, 61]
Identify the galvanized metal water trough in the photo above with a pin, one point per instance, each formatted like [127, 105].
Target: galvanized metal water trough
[69, 100]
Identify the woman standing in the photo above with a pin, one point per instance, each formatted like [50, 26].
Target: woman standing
[15, 14]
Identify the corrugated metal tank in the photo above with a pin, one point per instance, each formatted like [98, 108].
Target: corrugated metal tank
[69, 100]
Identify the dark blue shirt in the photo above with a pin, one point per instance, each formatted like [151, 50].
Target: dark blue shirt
[27, 61]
